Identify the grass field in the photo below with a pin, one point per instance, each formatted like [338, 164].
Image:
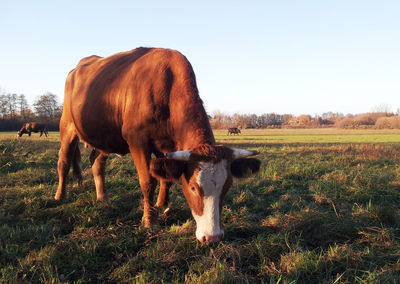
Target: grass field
[323, 209]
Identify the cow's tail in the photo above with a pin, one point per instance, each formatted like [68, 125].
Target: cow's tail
[76, 165]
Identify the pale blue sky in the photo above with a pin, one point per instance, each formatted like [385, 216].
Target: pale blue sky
[249, 56]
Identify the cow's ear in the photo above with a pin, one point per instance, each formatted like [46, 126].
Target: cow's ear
[167, 169]
[245, 167]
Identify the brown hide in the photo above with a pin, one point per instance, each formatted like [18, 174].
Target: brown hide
[167, 169]
[30, 127]
[233, 130]
[144, 96]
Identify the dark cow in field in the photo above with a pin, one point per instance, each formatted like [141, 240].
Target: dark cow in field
[30, 127]
[233, 130]
[145, 102]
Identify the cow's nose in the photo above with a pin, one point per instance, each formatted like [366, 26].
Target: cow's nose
[210, 239]
[213, 239]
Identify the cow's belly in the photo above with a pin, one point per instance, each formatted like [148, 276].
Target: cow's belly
[100, 132]
[105, 141]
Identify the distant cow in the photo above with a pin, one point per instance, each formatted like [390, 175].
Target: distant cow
[30, 127]
[233, 130]
[145, 102]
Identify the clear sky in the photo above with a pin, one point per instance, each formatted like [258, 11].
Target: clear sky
[299, 57]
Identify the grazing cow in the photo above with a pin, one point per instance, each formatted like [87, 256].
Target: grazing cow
[233, 130]
[145, 102]
[30, 127]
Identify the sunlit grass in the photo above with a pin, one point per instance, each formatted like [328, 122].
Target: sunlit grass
[308, 136]
[52, 136]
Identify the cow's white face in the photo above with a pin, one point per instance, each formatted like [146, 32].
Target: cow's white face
[205, 183]
[209, 180]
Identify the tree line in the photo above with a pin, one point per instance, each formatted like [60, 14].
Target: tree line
[15, 110]
[378, 119]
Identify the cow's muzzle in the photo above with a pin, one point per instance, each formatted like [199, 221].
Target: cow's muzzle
[208, 239]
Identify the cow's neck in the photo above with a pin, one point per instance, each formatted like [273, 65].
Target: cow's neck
[192, 133]
[197, 137]
[190, 118]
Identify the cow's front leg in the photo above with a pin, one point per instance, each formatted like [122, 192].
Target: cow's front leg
[147, 183]
[98, 161]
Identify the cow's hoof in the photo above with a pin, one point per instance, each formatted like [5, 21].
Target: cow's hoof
[103, 197]
[162, 213]
[147, 221]
[59, 197]
[162, 208]
[103, 200]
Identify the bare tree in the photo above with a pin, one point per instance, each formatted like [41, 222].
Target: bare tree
[8, 105]
[3, 106]
[23, 106]
[46, 106]
[383, 108]
[12, 104]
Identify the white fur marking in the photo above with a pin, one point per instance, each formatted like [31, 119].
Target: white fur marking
[211, 178]
[242, 153]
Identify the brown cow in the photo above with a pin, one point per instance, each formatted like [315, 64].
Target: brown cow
[30, 127]
[145, 102]
[233, 130]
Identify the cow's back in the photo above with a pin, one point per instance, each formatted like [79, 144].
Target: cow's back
[33, 126]
[127, 94]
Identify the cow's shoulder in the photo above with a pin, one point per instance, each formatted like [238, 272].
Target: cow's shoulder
[88, 60]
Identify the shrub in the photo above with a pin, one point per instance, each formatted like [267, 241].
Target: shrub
[364, 120]
[392, 122]
[346, 123]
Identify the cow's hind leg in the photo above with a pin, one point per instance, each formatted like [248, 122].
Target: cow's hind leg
[162, 199]
[66, 155]
[98, 161]
[148, 183]
[76, 165]
[163, 194]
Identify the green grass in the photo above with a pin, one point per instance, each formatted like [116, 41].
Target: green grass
[323, 209]
[309, 136]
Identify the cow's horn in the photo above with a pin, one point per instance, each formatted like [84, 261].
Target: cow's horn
[179, 155]
[242, 153]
